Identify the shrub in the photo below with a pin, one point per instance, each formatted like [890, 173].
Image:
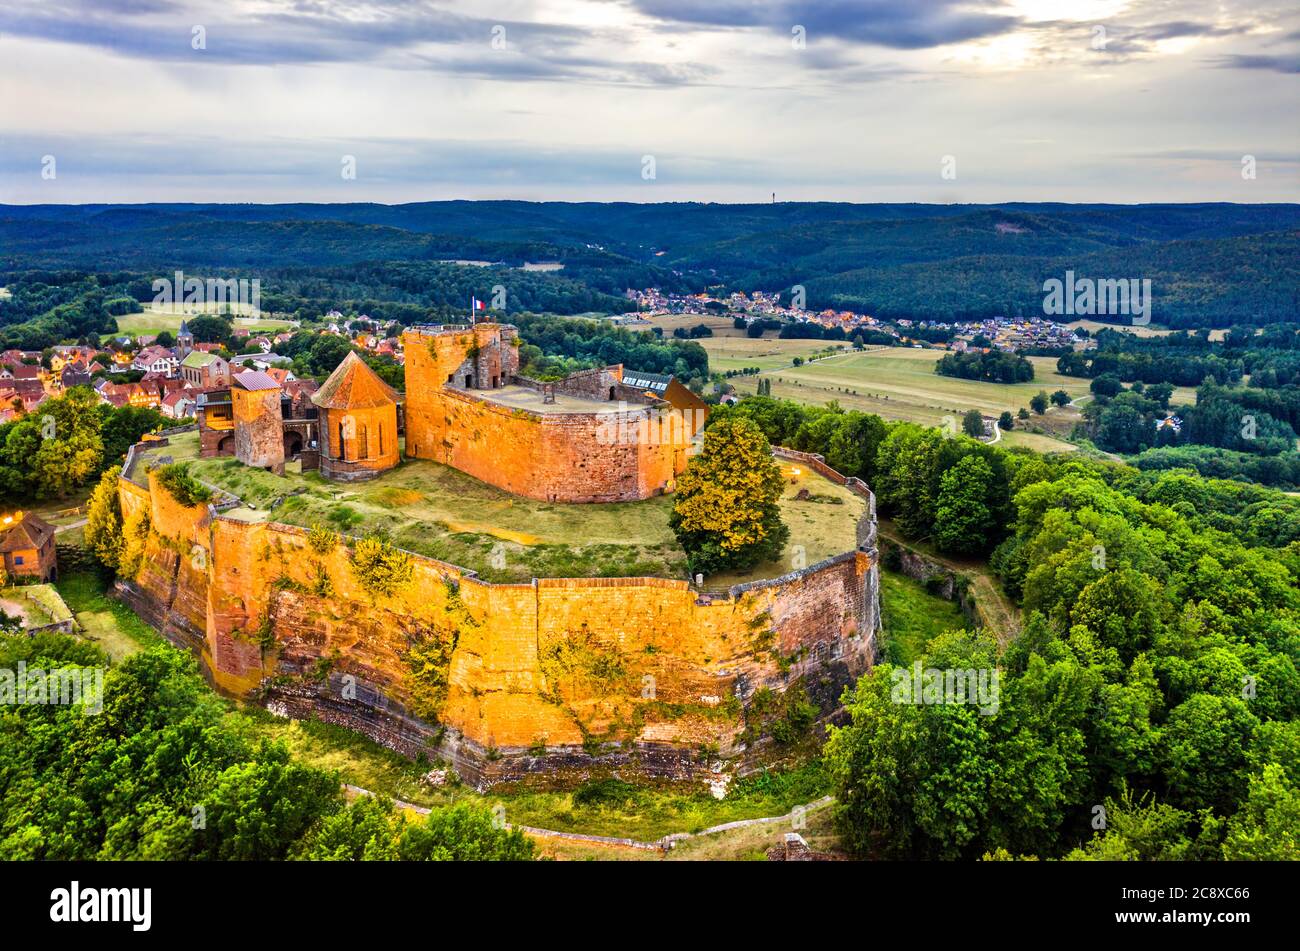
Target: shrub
[181, 486]
[321, 539]
[379, 567]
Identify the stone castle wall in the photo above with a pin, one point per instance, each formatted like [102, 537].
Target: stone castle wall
[564, 457]
[503, 680]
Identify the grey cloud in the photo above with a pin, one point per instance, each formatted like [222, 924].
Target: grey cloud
[917, 24]
[1285, 63]
[398, 35]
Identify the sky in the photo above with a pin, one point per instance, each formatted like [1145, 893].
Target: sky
[649, 100]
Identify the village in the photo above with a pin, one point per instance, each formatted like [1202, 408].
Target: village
[1011, 334]
[164, 371]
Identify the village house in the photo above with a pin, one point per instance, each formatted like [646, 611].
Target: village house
[22, 371]
[179, 404]
[27, 546]
[73, 374]
[156, 360]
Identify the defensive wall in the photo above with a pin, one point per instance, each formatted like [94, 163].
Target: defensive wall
[558, 676]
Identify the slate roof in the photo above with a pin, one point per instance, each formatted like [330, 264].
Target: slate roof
[656, 382]
[255, 380]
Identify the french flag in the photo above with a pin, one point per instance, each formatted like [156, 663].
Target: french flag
[475, 304]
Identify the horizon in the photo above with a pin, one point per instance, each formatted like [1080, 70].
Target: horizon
[557, 201]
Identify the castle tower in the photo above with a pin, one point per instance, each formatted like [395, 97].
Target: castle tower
[481, 357]
[259, 425]
[358, 422]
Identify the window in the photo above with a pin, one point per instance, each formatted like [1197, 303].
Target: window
[381, 439]
[342, 453]
[18, 559]
[365, 443]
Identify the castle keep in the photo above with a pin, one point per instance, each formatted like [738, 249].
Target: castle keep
[590, 437]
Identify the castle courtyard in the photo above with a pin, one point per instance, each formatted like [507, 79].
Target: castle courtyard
[443, 513]
[524, 397]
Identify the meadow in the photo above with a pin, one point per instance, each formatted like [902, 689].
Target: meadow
[895, 383]
[155, 318]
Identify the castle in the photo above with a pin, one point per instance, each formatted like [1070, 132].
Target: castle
[504, 680]
[595, 436]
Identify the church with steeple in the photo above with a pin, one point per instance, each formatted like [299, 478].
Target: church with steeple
[184, 340]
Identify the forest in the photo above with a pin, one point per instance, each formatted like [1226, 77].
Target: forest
[1154, 680]
[1210, 265]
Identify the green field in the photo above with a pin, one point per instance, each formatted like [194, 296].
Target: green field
[109, 623]
[441, 512]
[766, 353]
[892, 382]
[156, 318]
[911, 616]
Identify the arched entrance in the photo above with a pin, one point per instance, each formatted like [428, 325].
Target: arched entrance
[292, 445]
[226, 447]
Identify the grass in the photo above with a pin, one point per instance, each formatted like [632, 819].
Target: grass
[767, 353]
[911, 616]
[994, 611]
[109, 623]
[438, 511]
[897, 383]
[157, 318]
[746, 844]
[820, 527]
[612, 807]
[606, 806]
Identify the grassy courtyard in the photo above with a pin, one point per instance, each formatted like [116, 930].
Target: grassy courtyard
[441, 512]
[100, 618]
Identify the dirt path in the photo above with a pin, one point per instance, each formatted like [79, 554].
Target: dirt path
[996, 611]
[662, 844]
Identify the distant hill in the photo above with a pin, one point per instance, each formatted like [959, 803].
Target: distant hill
[1210, 264]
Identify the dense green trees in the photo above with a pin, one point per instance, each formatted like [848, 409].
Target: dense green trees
[66, 443]
[995, 366]
[1155, 677]
[160, 774]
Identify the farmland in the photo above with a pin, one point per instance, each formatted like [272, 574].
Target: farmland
[892, 382]
[156, 318]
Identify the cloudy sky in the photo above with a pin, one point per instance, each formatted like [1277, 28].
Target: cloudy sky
[863, 100]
